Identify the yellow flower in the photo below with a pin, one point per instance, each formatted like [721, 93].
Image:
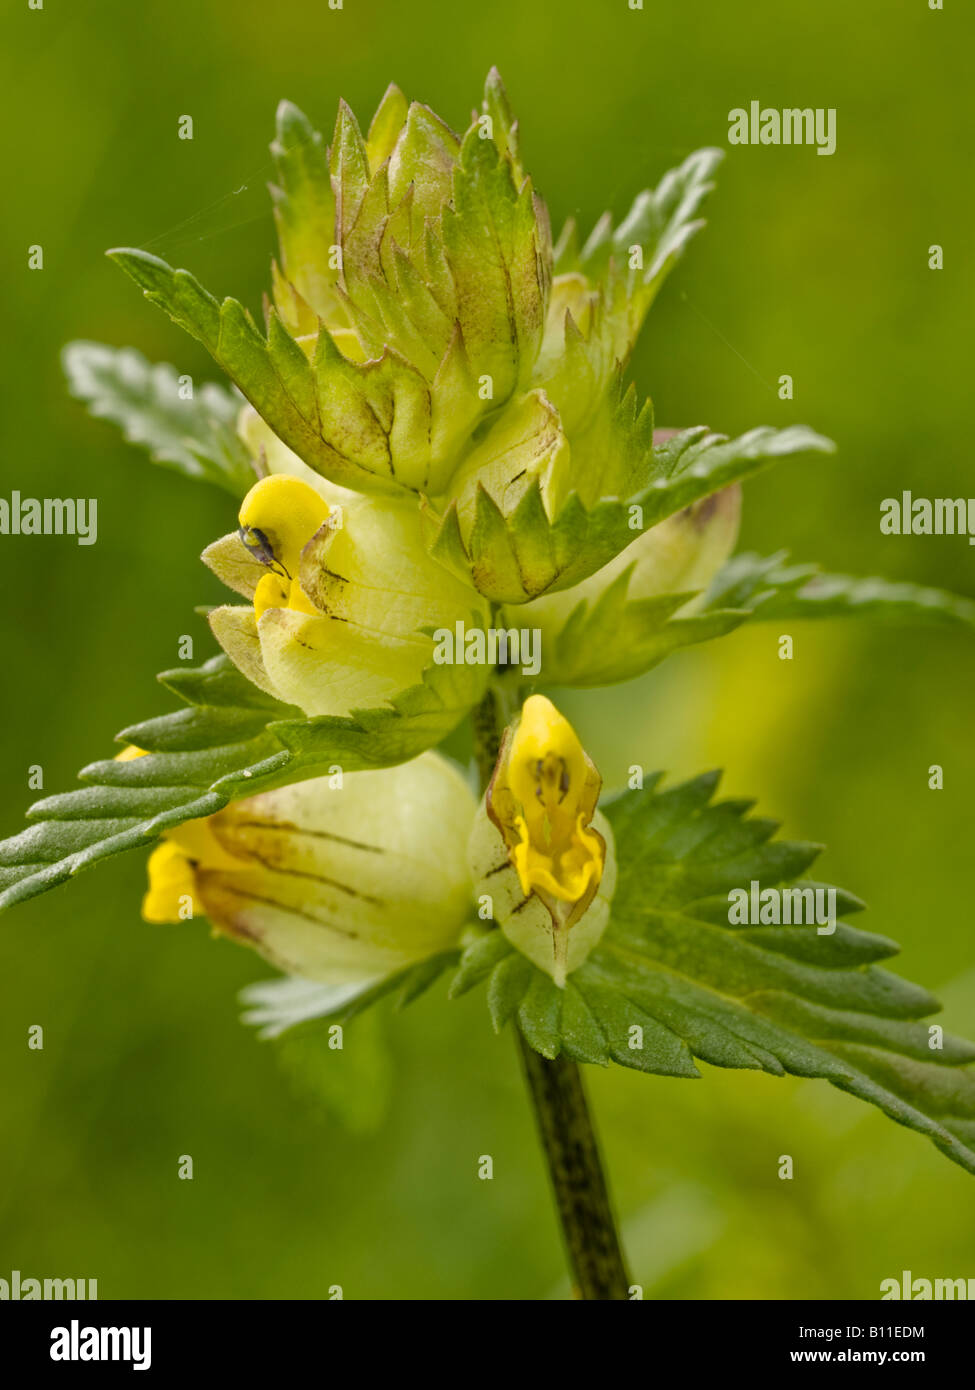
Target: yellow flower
[542, 799]
[559, 870]
[343, 600]
[336, 880]
[172, 869]
[172, 881]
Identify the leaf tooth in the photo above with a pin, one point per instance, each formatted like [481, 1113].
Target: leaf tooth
[506, 988]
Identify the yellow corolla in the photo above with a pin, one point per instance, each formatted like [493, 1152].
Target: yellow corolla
[172, 870]
[343, 600]
[542, 799]
[278, 518]
[540, 850]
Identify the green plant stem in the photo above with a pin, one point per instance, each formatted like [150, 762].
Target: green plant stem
[581, 1196]
[565, 1125]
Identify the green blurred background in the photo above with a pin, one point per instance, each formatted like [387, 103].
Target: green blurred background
[812, 266]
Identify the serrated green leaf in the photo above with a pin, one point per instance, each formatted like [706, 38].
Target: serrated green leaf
[197, 437]
[672, 979]
[376, 426]
[600, 297]
[289, 1004]
[507, 985]
[422, 164]
[505, 127]
[748, 588]
[583, 1038]
[644, 632]
[349, 162]
[771, 588]
[517, 557]
[233, 742]
[233, 340]
[386, 124]
[478, 960]
[540, 1014]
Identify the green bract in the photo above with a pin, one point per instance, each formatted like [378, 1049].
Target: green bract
[627, 616]
[425, 338]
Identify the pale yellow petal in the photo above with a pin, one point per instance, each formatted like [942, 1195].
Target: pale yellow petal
[235, 629]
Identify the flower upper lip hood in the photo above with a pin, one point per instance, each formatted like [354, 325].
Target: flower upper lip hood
[278, 518]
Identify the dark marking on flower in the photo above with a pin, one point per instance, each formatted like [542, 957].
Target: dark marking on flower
[315, 834]
[236, 892]
[551, 772]
[280, 868]
[320, 596]
[700, 513]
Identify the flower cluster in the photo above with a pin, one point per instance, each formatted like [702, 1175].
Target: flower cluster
[440, 440]
[444, 383]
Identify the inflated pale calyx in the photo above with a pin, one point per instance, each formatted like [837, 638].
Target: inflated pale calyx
[338, 880]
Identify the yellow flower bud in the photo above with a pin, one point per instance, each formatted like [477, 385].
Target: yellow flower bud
[338, 879]
[539, 848]
[547, 803]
